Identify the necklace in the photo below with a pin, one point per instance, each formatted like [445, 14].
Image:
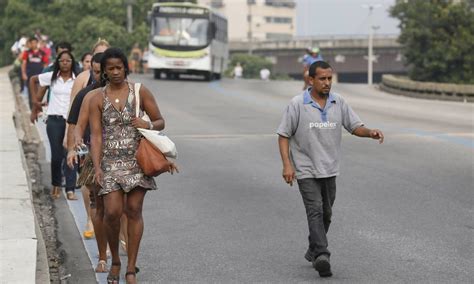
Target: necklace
[117, 100]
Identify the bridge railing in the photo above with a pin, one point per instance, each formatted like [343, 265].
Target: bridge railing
[321, 42]
[441, 91]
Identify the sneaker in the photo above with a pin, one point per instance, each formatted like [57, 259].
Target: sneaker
[322, 265]
[309, 256]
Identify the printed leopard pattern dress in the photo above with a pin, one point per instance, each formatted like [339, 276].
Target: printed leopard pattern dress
[120, 143]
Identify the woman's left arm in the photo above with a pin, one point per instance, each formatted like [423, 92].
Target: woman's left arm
[149, 105]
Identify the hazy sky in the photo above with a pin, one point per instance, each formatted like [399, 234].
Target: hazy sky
[343, 17]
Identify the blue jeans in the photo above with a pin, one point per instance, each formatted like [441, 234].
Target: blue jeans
[318, 198]
[56, 128]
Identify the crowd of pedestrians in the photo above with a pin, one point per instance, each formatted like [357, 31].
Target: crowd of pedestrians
[91, 122]
[79, 100]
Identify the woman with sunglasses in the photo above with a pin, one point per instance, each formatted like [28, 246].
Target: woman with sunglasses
[60, 81]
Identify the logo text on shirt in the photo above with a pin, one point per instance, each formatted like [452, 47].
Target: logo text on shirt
[323, 125]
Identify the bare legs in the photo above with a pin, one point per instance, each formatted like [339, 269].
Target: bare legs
[123, 226]
[135, 229]
[99, 228]
[114, 207]
[89, 230]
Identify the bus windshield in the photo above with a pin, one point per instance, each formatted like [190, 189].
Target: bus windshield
[180, 32]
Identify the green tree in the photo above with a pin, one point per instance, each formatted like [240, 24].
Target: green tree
[79, 22]
[437, 38]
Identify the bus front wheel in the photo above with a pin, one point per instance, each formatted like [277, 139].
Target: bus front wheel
[157, 73]
[208, 76]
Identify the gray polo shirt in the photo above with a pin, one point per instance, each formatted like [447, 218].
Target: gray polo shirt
[315, 133]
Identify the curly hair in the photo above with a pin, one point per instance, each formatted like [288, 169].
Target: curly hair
[112, 52]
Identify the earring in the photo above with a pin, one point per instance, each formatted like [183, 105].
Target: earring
[104, 77]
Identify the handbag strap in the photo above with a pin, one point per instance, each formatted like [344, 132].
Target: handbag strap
[137, 98]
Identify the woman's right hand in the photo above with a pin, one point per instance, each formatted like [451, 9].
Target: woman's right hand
[99, 176]
[173, 168]
[78, 142]
[71, 158]
[34, 115]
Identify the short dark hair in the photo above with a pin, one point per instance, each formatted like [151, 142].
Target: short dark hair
[84, 55]
[112, 52]
[97, 57]
[63, 45]
[318, 64]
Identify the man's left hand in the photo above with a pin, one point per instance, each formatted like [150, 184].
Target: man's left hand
[377, 135]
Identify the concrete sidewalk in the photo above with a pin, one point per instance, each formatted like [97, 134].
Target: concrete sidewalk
[18, 236]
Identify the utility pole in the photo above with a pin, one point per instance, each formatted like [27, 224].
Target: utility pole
[129, 4]
[249, 22]
[370, 58]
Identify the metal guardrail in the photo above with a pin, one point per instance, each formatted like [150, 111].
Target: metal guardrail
[321, 42]
[430, 90]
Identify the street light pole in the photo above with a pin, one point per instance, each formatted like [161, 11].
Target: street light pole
[129, 15]
[370, 58]
[249, 22]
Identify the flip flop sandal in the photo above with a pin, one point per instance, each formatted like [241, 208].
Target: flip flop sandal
[88, 234]
[101, 267]
[71, 196]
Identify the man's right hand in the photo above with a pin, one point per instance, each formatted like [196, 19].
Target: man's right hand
[24, 77]
[289, 174]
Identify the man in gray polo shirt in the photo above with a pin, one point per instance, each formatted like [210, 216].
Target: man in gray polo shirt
[309, 138]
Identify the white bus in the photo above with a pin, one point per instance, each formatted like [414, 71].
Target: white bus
[187, 39]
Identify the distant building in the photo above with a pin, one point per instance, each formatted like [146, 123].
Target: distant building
[257, 19]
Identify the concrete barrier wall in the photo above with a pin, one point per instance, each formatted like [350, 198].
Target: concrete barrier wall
[440, 91]
[18, 239]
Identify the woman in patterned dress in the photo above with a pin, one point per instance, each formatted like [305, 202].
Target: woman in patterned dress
[114, 141]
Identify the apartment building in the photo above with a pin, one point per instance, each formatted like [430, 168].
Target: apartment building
[257, 20]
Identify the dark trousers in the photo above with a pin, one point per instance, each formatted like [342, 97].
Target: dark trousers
[56, 128]
[30, 99]
[318, 198]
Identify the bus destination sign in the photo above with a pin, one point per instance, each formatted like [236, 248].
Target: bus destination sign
[182, 10]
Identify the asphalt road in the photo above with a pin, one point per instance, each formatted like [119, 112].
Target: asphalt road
[403, 212]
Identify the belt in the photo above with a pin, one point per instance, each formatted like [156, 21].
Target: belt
[55, 116]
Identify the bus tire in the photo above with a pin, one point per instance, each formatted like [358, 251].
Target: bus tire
[208, 76]
[156, 73]
[171, 76]
[217, 76]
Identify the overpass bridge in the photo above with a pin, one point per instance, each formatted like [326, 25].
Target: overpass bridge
[347, 55]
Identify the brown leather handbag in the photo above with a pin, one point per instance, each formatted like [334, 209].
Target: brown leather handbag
[150, 159]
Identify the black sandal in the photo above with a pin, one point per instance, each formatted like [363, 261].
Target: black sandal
[134, 273]
[113, 279]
